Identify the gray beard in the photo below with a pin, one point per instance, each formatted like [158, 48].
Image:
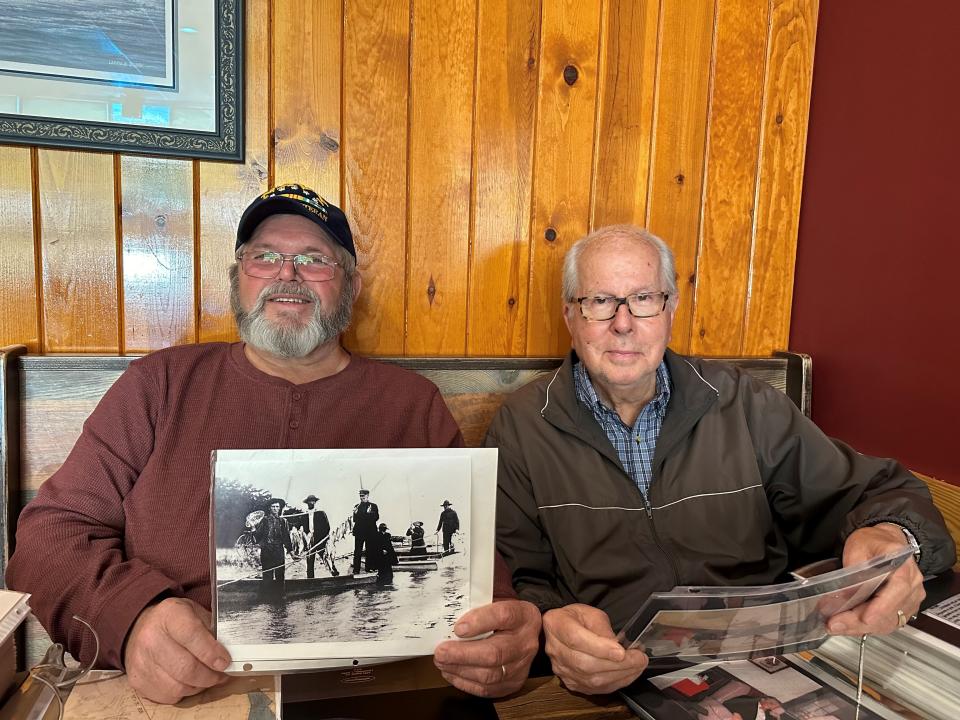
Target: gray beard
[291, 341]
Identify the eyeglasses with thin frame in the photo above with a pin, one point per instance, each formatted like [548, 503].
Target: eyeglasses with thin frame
[267, 265]
[53, 671]
[598, 308]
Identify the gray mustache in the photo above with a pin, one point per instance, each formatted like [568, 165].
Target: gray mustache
[286, 288]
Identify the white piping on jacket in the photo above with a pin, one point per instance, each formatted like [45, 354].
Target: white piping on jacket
[548, 389]
[589, 507]
[701, 376]
[699, 495]
[658, 507]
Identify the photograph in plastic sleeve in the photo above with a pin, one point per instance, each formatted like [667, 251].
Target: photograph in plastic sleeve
[743, 689]
[321, 557]
[695, 623]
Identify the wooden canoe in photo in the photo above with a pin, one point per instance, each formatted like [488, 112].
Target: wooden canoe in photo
[411, 565]
[292, 588]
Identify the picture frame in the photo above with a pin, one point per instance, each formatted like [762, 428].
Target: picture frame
[158, 77]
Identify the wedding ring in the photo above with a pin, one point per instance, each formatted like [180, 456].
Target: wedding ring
[901, 619]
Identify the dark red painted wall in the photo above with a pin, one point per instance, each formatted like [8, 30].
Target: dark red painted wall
[877, 294]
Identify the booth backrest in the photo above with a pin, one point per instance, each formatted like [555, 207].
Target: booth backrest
[45, 399]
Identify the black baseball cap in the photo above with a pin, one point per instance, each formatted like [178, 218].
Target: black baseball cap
[297, 200]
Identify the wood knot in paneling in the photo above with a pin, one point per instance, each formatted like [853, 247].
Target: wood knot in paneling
[329, 143]
[431, 290]
[570, 75]
[550, 234]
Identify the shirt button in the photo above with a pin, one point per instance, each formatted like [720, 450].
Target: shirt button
[294, 424]
[297, 396]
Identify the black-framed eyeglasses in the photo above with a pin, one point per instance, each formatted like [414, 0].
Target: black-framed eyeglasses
[268, 263]
[640, 305]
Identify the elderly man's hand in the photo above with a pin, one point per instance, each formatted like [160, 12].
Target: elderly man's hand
[497, 665]
[902, 591]
[171, 653]
[584, 653]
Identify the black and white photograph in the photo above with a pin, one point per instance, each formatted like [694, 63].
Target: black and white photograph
[699, 623]
[343, 554]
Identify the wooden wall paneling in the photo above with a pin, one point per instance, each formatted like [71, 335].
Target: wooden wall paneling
[442, 68]
[156, 217]
[726, 239]
[563, 160]
[225, 189]
[306, 94]
[79, 251]
[676, 175]
[628, 69]
[786, 109]
[19, 319]
[508, 44]
[375, 81]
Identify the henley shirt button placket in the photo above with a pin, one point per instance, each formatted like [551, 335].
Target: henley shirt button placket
[296, 410]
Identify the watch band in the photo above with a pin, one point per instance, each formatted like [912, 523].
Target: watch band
[911, 539]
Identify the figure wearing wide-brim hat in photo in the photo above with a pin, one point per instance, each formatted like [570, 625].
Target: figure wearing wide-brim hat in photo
[316, 525]
[449, 523]
[418, 545]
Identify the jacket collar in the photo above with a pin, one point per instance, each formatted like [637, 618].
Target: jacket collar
[690, 397]
[562, 410]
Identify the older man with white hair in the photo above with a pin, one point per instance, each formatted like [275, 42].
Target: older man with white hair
[634, 469]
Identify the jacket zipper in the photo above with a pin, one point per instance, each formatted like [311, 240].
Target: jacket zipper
[656, 536]
[656, 539]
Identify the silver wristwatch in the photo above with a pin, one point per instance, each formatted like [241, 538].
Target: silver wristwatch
[912, 539]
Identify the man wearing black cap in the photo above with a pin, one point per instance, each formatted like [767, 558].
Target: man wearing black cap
[317, 527]
[365, 516]
[142, 463]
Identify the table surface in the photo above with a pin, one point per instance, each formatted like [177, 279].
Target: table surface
[545, 698]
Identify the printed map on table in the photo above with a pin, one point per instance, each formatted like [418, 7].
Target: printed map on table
[106, 693]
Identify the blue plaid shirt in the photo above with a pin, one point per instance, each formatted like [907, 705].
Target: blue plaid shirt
[635, 445]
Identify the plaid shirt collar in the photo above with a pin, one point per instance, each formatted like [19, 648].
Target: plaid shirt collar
[635, 446]
[587, 394]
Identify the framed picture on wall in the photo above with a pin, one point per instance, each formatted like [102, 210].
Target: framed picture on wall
[142, 76]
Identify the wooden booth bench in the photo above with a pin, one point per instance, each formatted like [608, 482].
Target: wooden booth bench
[44, 401]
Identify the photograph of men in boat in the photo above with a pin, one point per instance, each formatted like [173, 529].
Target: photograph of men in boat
[309, 552]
